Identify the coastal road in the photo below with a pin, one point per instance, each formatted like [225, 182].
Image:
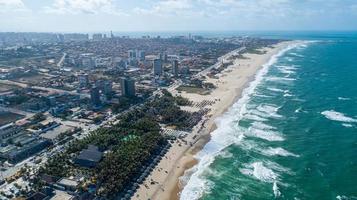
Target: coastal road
[59, 91]
[219, 62]
[53, 90]
[60, 63]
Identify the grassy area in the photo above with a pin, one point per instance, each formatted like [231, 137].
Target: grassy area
[191, 89]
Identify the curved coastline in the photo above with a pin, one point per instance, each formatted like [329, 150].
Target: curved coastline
[172, 173]
[194, 188]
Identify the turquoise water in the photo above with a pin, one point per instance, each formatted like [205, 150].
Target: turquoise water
[293, 135]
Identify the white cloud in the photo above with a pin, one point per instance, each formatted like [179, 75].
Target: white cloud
[167, 7]
[214, 8]
[11, 5]
[83, 6]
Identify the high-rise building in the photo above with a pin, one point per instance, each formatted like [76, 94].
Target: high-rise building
[163, 56]
[83, 80]
[157, 65]
[107, 88]
[131, 54]
[127, 87]
[75, 37]
[97, 36]
[175, 68]
[141, 55]
[88, 62]
[95, 96]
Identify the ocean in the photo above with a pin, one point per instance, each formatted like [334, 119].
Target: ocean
[292, 134]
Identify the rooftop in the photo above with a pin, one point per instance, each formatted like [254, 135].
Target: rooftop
[91, 154]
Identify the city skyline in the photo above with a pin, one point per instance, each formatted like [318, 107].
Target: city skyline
[175, 15]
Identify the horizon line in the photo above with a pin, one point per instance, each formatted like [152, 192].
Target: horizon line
[182, 31]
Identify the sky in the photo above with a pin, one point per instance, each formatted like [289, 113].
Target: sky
[176, 15]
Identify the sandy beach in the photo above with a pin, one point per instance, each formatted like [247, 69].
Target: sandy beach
[163, 183]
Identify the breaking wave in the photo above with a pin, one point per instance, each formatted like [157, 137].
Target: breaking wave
[337, 116]
[227, 134]
[278, 152]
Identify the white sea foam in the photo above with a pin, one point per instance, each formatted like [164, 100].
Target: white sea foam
[343, 98]
[267, 111]
[288, 95]
[226, 154]
[255, 117]
[285, 71]
[278, 152]
[298, 110]
[275, 89]
[342, 197]
[337, 116]
[264, 134]
[262, 126]
[296, 54]
[262, 96]
[224, 136]
[270, 110]
[260, 172]
[347, 125]
[267, 108]
[276, 191]
[287, 67]
[280, 79]
[265, 115]
[263, 172]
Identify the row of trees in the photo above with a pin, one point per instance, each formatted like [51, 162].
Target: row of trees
[130, 144]
[166, 110]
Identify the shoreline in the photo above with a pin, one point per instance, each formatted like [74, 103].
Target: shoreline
[232, 81]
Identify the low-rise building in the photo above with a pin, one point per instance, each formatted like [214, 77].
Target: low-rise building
[68, 184]
[8, 130]
[89, 157]
[23, 147]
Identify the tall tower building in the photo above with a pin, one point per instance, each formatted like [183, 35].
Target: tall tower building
[141, 55]
[107, 88]
[157, 65]
[175, 68]
[95, 96]
[127, 87]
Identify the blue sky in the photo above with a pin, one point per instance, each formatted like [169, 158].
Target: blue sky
[176, 15]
